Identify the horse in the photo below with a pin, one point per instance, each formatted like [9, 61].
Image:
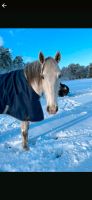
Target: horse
[20, 92]
[63, 90]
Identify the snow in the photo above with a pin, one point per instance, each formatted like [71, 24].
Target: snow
[60, 143]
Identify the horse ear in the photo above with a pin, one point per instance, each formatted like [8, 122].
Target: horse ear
[58, 57]
[41, 58]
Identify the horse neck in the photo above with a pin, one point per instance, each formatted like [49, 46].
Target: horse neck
[37, 87]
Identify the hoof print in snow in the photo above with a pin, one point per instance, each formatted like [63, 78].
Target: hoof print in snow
[56, 138]
[7, 146]
[58, 155]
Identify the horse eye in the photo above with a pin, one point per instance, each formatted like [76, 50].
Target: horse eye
[59, 76]
[42, 76]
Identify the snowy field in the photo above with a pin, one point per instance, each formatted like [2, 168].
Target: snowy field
[60, 143]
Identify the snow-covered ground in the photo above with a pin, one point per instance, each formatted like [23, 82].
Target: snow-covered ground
[62, 142]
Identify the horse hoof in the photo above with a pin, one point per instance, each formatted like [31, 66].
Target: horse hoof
[26, 148]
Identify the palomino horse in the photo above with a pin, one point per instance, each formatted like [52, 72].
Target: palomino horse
[21, 90]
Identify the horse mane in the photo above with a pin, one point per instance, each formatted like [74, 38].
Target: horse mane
[33, 71]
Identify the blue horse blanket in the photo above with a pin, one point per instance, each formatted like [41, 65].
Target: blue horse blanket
[23, 102]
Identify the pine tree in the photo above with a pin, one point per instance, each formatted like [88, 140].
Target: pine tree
[90, 71]
[18, 62]
[5, 58]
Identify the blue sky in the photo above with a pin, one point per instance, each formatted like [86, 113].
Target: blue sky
[75, 44]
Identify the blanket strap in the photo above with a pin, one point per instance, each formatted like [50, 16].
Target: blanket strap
[6, 109]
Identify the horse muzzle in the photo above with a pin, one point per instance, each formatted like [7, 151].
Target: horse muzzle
[52, 109]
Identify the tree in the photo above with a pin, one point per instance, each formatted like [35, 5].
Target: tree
[5, 58]
[74, 71]
[90, 70]
[18, 62]
[72, 68]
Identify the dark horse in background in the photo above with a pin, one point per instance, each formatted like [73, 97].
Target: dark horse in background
[20, 92]
[63, 90]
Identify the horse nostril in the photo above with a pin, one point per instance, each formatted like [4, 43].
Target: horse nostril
[47, 108]
[52, 110]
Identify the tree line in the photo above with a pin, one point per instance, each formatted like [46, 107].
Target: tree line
[70, 72]
[76, 71]
[7, 63]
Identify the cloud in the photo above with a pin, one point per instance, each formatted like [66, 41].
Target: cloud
[1, 41]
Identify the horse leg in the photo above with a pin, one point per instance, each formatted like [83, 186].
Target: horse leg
[24, 130]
